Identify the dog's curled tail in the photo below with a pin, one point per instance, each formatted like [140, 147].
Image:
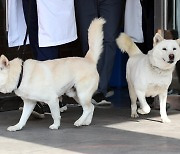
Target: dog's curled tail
[95, 39]
[126, 44]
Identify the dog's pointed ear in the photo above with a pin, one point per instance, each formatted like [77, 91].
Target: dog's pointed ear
[157, 38]
[4, 61]
[178, 41]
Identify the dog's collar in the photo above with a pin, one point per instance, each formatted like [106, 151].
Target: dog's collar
[20, 76]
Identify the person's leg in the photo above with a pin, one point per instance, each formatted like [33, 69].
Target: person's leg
[46, 53]
[111, 12]
[147, 24]
[86, 11]
[30, 14]
[31, 18]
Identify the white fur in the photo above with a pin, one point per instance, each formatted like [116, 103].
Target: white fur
[46, 81]
[151, 74]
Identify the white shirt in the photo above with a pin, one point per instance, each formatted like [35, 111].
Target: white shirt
[56, 22]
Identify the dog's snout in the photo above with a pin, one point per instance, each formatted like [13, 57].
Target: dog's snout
[171, 57]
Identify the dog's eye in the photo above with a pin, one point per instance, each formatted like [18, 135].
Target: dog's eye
[164, 49]
[1, 68]
[174, 48]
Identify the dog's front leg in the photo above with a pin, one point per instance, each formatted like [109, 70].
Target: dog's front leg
[144, 107]
[163, 113]
[55, 112]
[133, 98]
[27, 110]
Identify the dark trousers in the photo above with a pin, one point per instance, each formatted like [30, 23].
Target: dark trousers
[31, 18]
[147, 25]
[110, 10]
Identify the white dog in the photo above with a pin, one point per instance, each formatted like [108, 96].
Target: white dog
[151, 74]
[46, 81]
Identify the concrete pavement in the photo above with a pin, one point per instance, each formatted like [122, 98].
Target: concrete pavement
[112, 131]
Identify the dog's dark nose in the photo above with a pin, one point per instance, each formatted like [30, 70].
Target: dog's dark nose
[171, 57]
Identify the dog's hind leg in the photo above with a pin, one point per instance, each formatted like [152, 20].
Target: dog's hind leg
[144, 107]
[133, 98]
[27, 110]
[84, 90]
[89, 117]
[88, 109]
[55, 112]
[163, 113]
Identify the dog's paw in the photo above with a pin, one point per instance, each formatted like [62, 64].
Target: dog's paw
[87, 122]
[140, 111]
[53, 126]
[14, 128]
[166, 120]
[134, 115]
[78, 123]
[144, 110]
